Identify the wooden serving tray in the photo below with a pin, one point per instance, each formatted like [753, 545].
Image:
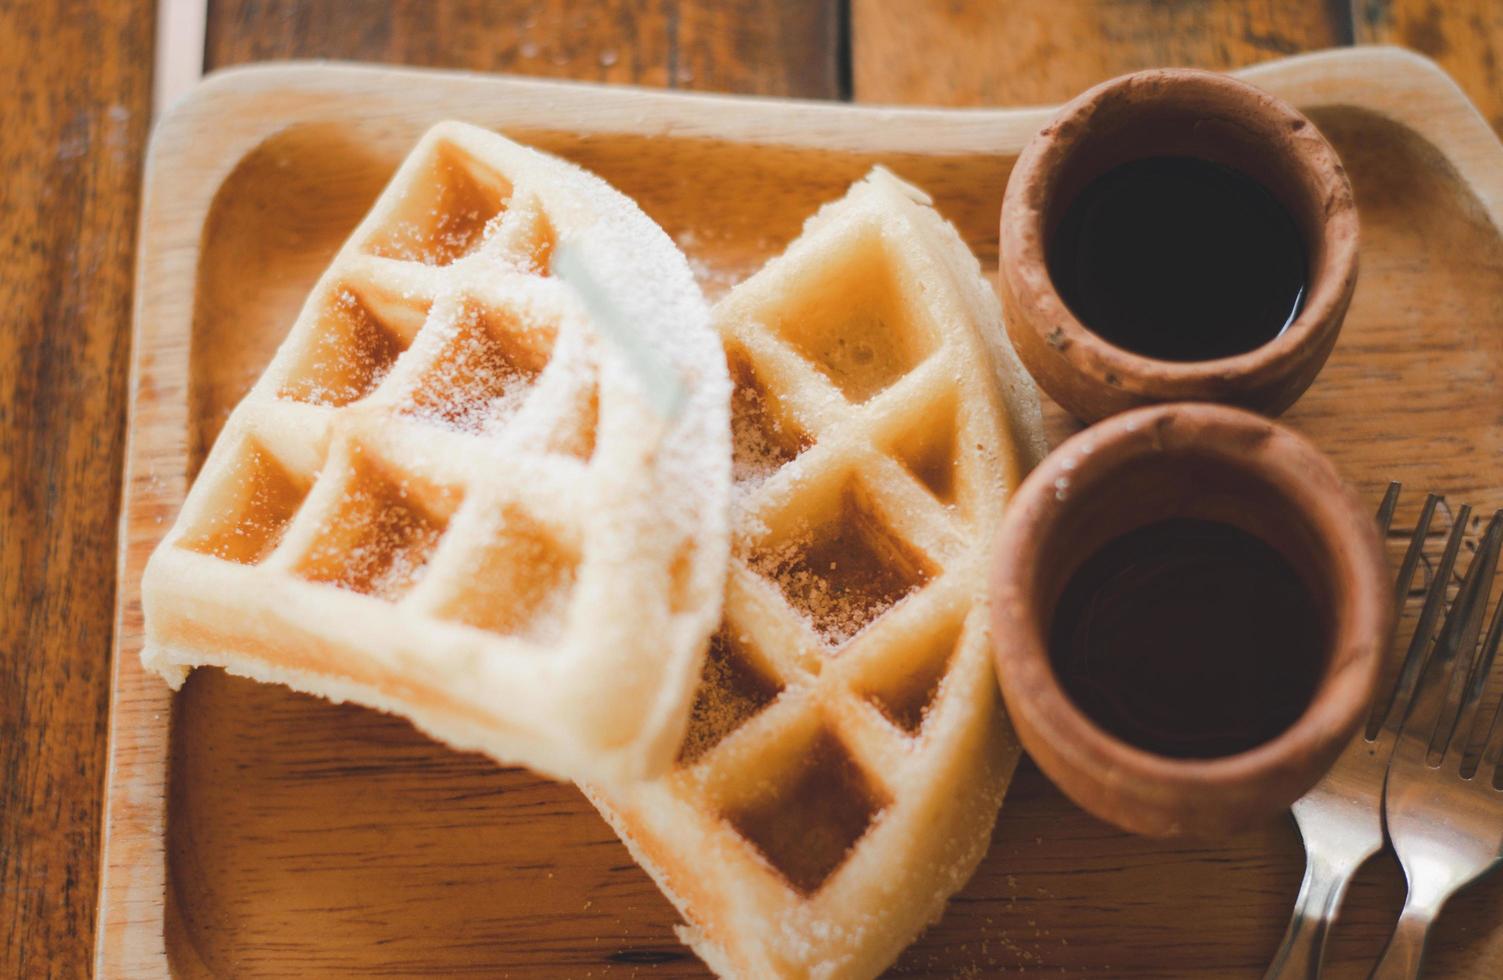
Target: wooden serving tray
[251, 831]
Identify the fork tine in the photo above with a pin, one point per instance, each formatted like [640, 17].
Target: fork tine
[1437, 692]
[1473, 662]
[1401, 588]
[1492, 751]
[1435, 598]
[1387, 507]
[1416, 550]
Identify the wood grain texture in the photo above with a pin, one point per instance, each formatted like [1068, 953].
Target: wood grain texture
[271, 833]
[763, 47]
[1032, 52]
[75, 117]
[1464, 36]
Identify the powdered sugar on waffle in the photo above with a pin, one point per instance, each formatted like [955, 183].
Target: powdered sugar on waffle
[809, 833]
[462, 421]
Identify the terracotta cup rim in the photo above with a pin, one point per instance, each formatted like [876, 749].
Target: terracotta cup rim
[1119, 782]
[1267, 378]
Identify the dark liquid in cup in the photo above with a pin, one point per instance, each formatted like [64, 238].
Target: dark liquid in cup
[1179, 259]
[1189, 638]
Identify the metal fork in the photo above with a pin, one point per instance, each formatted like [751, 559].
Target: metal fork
[1341, 818]
[1447, 825]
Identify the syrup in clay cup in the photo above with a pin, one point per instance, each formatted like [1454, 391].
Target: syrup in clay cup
[1206, 462]
[1175, 112]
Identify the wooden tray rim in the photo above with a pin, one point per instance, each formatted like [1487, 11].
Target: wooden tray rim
[206, 133]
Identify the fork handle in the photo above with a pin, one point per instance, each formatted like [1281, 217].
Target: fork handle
[1320, 895]
[1406, 947]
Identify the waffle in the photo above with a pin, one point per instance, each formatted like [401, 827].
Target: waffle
[847, 751]
[450, 495]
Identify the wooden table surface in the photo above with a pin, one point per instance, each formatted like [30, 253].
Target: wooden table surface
[74, 119]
